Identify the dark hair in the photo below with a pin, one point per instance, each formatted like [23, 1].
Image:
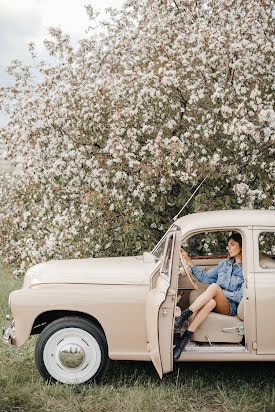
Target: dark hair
[237, 237]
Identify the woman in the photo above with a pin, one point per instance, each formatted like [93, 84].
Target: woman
[223, 295]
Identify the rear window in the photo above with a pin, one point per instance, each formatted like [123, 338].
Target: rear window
[267, 250]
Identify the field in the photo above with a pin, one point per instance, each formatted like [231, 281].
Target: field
[132, 386]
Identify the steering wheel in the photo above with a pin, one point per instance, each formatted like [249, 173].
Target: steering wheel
[186, 271]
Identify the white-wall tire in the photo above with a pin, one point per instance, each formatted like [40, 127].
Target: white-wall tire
[72, 350]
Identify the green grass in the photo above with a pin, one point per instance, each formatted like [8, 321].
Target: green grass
[132, 386]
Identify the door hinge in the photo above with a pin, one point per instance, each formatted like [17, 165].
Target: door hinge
[254, 345]
[171, 292]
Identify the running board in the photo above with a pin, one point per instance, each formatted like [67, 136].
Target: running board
[214, 349]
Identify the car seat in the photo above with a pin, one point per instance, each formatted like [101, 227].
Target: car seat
[217, 327]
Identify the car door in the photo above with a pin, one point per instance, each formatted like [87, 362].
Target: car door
[263, 239]
[161, 303]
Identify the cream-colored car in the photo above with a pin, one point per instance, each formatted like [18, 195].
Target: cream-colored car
[88, 311]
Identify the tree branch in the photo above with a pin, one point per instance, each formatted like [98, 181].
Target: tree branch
[183, 100]
[85, 144]
[176, 4]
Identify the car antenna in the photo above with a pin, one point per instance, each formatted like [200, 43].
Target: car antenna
[177, 215]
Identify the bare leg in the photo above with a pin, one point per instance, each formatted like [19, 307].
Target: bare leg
[215, 292]
[202, 315]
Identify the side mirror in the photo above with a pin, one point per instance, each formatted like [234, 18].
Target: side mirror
[148, 257]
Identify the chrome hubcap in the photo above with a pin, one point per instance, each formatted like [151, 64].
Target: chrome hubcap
[71, 355]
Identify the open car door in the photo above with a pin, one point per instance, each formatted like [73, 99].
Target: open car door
[161, 303]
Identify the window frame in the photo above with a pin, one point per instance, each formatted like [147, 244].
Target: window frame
[225, 256]
[167, 274]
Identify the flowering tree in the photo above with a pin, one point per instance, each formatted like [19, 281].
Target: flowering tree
[115, 135]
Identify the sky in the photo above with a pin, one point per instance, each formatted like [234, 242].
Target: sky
[23, 21]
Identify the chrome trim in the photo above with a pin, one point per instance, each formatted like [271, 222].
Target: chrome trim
[72, 355]
[238, 328]
[8, 333]
[214, 349]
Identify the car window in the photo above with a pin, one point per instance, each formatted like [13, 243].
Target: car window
[207, 244]
[159, 248]
[267, 250]
[167, 258]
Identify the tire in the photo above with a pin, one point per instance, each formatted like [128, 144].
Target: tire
[72, 350]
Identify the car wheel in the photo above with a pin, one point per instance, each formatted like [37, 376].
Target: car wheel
[72, 350]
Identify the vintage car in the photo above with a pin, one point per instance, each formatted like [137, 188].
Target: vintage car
[89, 311]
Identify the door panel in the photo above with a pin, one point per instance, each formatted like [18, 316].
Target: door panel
[265, 309]
[166, 332]
[265, 302]
[160, 306]
[155, 299]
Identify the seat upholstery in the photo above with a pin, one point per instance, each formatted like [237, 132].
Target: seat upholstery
[212, 328]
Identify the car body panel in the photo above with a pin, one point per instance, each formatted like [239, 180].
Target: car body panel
[109, 271]
[121, 315]
[265, 301]
[225, 218]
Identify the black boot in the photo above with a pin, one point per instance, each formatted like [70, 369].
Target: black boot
[181, 344]
[185, 314]
[177, 337]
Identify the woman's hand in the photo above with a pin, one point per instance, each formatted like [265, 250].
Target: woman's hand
[186, 257]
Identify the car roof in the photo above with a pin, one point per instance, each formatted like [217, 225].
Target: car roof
[226, 218]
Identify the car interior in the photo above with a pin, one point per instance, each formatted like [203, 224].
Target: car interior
[217, 332]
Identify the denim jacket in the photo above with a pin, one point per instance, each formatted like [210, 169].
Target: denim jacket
[228, 277]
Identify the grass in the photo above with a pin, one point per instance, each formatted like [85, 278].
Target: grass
[132, 386]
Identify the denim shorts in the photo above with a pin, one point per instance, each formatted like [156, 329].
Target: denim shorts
[233, 307]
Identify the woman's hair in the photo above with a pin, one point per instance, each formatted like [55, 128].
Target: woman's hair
[237, 237]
